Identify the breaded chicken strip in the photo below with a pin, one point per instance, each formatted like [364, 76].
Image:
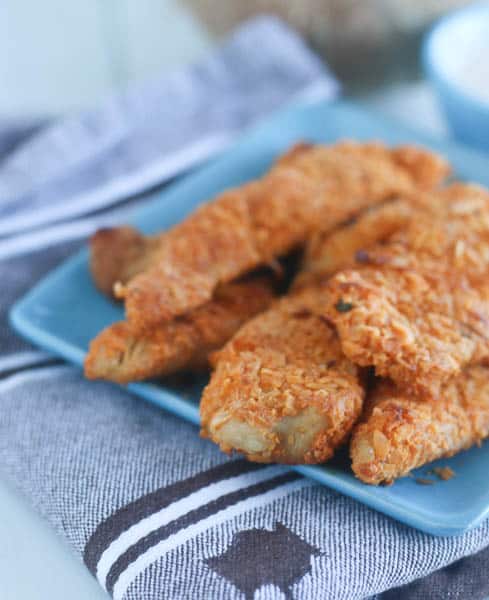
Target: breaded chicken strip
[118, 254]
[117, 354]
[401, 432]
[282, 390]
[417, 309]
[311, 187]
[346, 246]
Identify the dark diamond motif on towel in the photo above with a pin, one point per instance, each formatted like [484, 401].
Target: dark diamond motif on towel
[257, 557]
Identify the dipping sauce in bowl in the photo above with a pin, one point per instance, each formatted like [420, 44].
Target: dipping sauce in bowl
[456, 59]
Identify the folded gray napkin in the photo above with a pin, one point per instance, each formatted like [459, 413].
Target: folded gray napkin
[153, 510]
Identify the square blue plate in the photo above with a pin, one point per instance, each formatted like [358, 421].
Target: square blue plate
[64, 311]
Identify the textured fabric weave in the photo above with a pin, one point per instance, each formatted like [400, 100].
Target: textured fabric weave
[153, 510]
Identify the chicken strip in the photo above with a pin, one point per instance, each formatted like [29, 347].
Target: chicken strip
[417, 308]
[282, 390]
[401, 432]
[118, 254]
[310, 187]
[118, 354]
[346, 246]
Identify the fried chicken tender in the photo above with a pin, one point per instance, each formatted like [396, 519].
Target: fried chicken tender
[282, 390]
[417, 309]
[118, 354]
[310, 187]
[346, 246]
[401, 432]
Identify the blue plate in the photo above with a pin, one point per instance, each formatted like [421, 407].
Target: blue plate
[64, 311]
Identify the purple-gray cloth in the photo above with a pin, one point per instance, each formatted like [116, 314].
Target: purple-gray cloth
[153, 510]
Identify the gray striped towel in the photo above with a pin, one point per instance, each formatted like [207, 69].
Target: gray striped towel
[153, 510]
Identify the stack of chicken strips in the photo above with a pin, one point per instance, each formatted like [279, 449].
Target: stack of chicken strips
[381, 339]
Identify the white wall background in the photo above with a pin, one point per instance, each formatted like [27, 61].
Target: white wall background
[61, 55]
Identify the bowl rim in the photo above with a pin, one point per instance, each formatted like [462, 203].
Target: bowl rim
[430, 67]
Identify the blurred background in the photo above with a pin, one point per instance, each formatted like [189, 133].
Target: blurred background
[58, 56]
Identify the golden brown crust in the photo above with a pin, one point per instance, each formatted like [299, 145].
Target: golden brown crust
[117, 354]
[401, 432]
[328, 252]
[426, 169]
[346, 246]
[282, 390]
[309, 188]
[418, 309]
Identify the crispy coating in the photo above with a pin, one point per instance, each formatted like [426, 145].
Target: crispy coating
[346, 246]
[117, 354]
[328, 252]
[282, 391]
[422, 167]
[310, 187]
[401, 432]
[417, 309]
